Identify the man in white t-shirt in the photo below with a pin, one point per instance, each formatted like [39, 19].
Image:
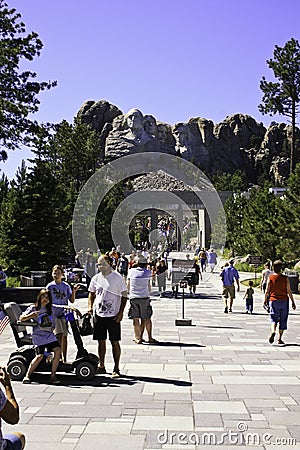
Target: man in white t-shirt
[107, 300]
[140, 311]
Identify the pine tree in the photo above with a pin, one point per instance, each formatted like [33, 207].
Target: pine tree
[261, 223]
[283, 97]
[289, 225]
[18, 90]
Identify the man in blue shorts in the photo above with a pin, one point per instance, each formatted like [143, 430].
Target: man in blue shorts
[9, 412]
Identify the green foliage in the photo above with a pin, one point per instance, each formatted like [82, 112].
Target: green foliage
[18, 90]
[265, 224]
[236, 181]
[283, 96]
[37, 208]
[245, 267]
[104, 217]
[13, 282]
[235, 212]
[256, 282]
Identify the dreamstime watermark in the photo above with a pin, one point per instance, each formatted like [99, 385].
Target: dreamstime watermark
[242, 436]
[104, 179]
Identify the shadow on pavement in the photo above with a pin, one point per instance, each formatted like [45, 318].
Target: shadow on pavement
[104, 381]
[289, 345]
[218, 326]
[173, 344]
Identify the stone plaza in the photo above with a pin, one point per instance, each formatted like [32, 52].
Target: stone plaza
[215, 384]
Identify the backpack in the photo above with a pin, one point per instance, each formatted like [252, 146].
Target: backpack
[86, 325]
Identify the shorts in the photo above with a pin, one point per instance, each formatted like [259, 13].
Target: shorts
[12, 442]
[229, 291]
[140, 308]
[279, 311]
[61, 327]
[104, 325]
[40, 350]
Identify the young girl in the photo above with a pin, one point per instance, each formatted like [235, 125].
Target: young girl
[62, 294]
[249, 298]
[44, 313]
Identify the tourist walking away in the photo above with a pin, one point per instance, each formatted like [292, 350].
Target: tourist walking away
[249, 298]
[44, 313]
[229, 275]
[203, 259]
[193, 278]
[211, 259]
[90, 267]
[114, 255]
[106, 301]
[122, 266]
[62, 294]
[79, 259]
[265, 276]
[140, 311]
[3, 278]
[278, 292]
[161, 276]
[264, 280]
[9, 412]
[174, 280]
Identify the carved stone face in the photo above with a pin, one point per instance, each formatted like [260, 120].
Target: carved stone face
[181, 135]
[134, 119]
[150, 124]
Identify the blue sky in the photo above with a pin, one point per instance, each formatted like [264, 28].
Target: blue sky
[171, 58]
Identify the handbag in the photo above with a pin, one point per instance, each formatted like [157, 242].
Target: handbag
[86, 326]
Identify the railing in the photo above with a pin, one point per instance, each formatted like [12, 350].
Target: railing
[26, 281]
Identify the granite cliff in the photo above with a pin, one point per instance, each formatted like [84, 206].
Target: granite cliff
[236, 143]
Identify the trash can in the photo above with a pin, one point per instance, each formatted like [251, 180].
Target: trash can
[293, 277]
[39, 278]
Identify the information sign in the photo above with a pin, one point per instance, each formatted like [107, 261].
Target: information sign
[255, 260]
[182, 269]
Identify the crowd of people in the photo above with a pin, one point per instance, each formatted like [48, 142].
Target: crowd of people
[112, 279]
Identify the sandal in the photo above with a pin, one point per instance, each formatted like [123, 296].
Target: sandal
[116, 374]
[280, 342]
[26, 380]
[101, 370]
[271, 338]
[153, 341]
[54, 380]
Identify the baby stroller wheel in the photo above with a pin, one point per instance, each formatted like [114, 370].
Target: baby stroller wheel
[16, 369]
[85, 370]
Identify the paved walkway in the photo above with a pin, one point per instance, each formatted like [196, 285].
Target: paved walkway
[218, 381]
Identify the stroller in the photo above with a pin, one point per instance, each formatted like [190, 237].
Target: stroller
[84, 365]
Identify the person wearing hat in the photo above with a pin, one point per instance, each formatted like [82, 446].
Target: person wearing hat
[140, 311]
[228, 275]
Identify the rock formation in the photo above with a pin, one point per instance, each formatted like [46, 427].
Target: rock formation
[236, 143]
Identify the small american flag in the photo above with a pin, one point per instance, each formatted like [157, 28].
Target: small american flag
[4, 320]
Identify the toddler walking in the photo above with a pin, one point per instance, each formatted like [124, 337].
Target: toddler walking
[249, 298]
